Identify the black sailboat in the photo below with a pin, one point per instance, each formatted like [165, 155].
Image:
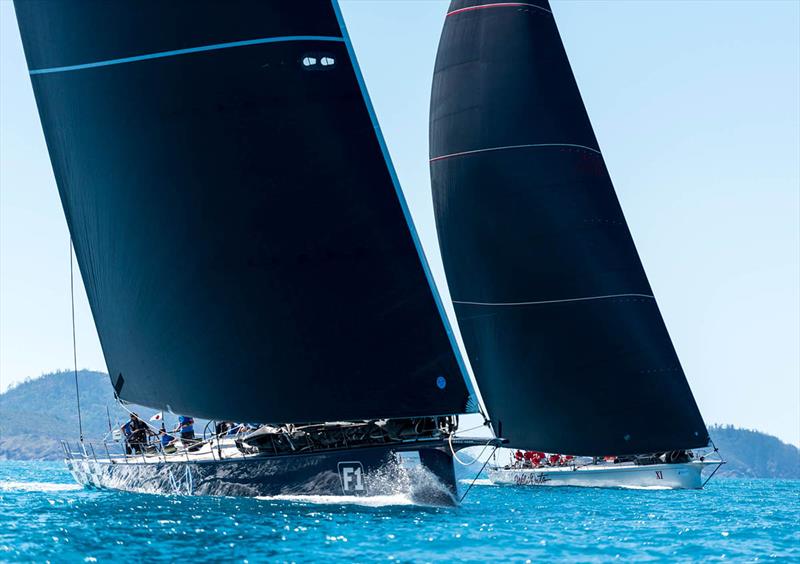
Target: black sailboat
[568, 346]
[244, 242]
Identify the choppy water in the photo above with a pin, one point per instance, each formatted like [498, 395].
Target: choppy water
[44, 516]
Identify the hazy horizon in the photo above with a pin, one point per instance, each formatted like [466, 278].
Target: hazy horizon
[697, 112]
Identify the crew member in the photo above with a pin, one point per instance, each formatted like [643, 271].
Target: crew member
[138, 437]
[223, 427]
[529, 455]
[167, 441]
[185, 427]
[127, 431]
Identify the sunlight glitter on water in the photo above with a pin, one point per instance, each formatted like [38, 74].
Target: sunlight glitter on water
[43, 516]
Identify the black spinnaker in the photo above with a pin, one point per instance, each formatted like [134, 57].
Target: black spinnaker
[568, 346]
[245, 247]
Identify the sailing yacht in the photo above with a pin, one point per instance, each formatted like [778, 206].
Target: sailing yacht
[675, 470]
[561, 327]
[246, 248]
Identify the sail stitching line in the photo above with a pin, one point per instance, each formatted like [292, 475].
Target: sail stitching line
[499, 5]
[464, 153]
[557, 301]
[187, 51]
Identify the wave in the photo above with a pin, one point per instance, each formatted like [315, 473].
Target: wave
[648, 488]
[367, 501]
[37, 487]
[478, 482]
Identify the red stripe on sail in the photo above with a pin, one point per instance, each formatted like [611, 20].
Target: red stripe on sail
[497, 5]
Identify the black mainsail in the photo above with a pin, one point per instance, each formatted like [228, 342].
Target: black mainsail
[568, 346]
[244, 243]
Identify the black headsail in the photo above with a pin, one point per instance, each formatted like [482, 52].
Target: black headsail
[245, 246]
[561, 327]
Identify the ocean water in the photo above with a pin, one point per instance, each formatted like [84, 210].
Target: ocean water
[44, 516]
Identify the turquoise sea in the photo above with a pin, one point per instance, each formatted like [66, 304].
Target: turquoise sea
[44, 516]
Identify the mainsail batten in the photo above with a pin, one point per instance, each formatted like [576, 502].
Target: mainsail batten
[234, 215]
[559, 321]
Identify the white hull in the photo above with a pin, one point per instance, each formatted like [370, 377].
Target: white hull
[655, 476]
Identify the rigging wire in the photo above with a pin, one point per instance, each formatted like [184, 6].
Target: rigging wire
[474, 460]
[453, 451]
[74, 345]
[490, 442]
[716, 450]
[475, 479]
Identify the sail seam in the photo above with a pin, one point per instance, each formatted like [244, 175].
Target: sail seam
[187, 51]
[499, 5]
[587, 298]
[533, 145]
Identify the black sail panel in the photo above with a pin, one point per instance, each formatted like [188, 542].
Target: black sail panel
[245, 248]
[559, 321]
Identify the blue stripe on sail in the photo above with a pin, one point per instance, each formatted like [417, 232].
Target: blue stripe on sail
[396, 182]
[188, 51]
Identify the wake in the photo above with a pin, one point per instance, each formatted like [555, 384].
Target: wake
[365, 500]
[646, 488]
[478, 482]
[37, 487]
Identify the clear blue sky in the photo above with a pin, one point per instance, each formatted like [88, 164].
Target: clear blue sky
[696, 106]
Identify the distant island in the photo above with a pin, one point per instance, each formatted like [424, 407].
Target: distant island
[37, 413]
[751, 454]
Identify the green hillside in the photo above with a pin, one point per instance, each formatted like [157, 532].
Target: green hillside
[751, 454]
[36, 414]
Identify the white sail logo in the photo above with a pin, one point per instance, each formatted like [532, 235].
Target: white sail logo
[352, 477]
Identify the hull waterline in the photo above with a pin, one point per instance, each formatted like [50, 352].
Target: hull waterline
[655, 476]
